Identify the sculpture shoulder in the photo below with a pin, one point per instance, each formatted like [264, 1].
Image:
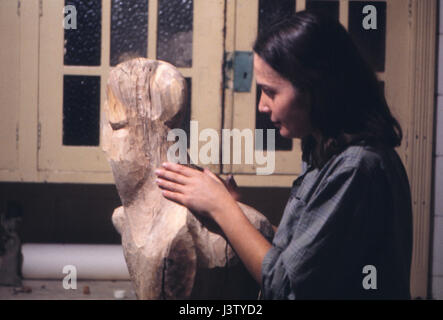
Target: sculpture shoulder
[258, 220]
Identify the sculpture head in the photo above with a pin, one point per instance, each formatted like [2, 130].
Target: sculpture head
[145, 98]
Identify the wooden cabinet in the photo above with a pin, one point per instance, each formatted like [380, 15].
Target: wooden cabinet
[57, 103]
[55, 78]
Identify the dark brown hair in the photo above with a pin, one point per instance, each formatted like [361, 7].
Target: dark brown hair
[317, 55]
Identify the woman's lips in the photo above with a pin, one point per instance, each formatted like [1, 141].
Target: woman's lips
[276, 124]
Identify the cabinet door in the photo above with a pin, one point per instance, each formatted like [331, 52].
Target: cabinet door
[74, 66]
[9, 84]
[385, 47]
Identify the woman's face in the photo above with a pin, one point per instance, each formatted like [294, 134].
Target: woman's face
[287, 108]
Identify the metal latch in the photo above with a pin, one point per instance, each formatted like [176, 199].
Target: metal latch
[241, 63]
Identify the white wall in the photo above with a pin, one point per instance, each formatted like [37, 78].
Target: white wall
[436, 276]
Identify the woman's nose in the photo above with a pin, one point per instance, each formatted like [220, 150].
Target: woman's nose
[263, 105]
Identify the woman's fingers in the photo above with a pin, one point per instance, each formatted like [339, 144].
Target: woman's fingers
[171, 176]
[169, 185]
[178, 168]
[174, 196]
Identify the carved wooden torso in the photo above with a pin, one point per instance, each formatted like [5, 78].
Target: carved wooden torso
[170, 253]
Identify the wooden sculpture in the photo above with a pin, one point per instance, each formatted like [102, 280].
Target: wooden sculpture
[170, 253]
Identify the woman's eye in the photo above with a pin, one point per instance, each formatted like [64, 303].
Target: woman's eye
[268, 92]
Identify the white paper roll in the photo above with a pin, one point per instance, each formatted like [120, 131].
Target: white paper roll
[91, 262]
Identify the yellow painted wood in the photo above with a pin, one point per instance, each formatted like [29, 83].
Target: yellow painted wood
[243, 110]
[9, 84]
[29, 41]
[300, 5]
[106, 36]
[344, 13]
[152, 28]
[418, 152]
[186, 72]
[230, 27]
[207, 61]
[396, 75]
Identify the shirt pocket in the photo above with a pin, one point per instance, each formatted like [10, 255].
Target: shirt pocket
[290, 219]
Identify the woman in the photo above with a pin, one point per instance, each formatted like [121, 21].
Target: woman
[346, 231]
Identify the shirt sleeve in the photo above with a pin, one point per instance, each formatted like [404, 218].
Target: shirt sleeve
[303, 268]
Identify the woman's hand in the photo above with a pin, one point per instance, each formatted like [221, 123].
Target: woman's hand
[200, 191]
[204, 193]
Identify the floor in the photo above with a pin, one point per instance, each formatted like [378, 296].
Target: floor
[53, 290]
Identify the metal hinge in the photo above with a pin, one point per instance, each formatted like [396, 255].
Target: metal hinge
[238, 70]
[18, 7]
[40, 8]
[228, 70]
[39, 135]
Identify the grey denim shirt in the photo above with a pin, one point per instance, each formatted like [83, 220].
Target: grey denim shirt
[352, 215]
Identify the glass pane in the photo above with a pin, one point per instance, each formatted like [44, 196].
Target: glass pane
[325, 7]
[81, 110]
[187, 117]
[82, 45]
[262, 121]
[273, 11]
[129, 30]
[175, 25]
[371, 42]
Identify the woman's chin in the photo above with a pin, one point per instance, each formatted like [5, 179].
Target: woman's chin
[284, 133]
